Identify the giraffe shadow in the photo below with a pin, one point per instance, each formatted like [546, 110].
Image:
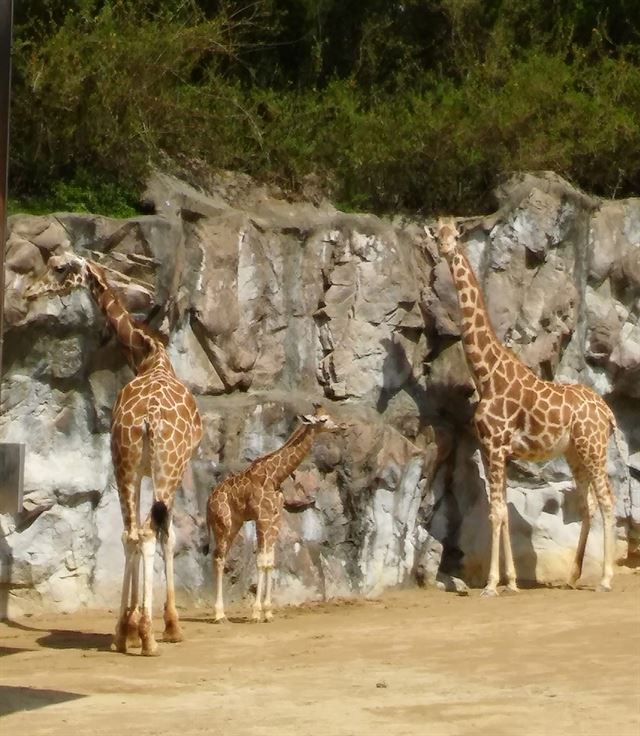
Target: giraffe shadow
[435, 401]
[70, 639]
[6, 651]
[524, 553]
[398, 375]
[212, 621]
[67, 638]
[19, 698]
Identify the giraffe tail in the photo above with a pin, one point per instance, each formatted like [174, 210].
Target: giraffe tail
[160, 516]
[159, 509]
[617, 438]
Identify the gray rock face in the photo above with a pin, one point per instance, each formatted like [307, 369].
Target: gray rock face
[270, 305]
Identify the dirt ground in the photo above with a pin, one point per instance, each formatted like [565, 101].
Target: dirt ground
[547, 662]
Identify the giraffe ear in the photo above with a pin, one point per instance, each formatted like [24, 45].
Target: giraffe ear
[429, 232]
[306, 418]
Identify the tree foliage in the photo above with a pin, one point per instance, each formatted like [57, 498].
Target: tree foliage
[417, 105]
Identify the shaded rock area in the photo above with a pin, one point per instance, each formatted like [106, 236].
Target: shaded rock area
[270, 305]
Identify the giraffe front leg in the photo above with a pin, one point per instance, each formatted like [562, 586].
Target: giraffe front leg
[267, 606]
[267, 529]
[497, 512]
[172, 629]
[257, 606]
[218, 572]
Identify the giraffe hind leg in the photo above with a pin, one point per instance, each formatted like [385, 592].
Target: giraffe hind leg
[133, 614]
[587, 508]
[122, 634]
[509, 565]
[172, 629]
[604, 496]
[590, 451]
[127, 451]
[145, 626]
[133, 617]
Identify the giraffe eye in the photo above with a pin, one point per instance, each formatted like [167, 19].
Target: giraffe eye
[59, 269]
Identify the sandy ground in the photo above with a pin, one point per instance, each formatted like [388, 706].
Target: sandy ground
[547, 662]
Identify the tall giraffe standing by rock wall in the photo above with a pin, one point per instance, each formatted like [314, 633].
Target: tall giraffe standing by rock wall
[155, 428]
[521, 416]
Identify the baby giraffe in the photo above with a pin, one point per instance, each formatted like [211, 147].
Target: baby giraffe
[254, 494]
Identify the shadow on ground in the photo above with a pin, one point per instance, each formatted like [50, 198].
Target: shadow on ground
[4, 651]
[66, 638]
[14, 699]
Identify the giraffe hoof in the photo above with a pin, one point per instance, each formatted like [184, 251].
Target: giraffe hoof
[151, 651]
[511, 589]
[173, 636]
[221, 620]
[603, 588]
[268, 617]
[119, 646]
[489, 593]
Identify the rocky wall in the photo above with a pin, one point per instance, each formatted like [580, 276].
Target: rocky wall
[271, 305]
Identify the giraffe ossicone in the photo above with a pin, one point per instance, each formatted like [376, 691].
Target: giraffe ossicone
[254, 494]
[155, 428]
[520, 415]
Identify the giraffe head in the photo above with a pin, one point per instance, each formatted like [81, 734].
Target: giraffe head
[446, 236]
[64, 273]
[321, 421]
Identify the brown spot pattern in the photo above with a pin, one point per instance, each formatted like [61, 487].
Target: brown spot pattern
[520, 415]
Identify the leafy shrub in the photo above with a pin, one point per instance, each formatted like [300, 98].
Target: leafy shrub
[416, 106]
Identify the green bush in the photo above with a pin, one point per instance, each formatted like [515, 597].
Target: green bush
[418, 106]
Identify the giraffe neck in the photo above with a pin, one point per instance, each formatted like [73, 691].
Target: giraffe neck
[142, 350]
[281, 463]
[482, 348]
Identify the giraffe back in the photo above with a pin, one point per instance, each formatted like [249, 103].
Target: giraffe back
[156, 423]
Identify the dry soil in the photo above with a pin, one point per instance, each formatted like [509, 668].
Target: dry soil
[544, 662]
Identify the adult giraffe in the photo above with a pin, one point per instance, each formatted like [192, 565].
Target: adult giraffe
[521, 416]
[155, 428]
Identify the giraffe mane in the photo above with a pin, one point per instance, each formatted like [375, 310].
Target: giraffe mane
[97, 272]
[151, 332]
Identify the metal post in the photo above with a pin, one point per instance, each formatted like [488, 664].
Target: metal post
[11, 454]
[6, 22]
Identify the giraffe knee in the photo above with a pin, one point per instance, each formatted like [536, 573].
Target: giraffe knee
[130, 537]
[265, 560]
[498, 512]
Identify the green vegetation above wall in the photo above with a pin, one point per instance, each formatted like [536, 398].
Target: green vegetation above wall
[415, 106]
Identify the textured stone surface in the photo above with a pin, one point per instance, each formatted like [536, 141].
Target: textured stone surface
[271, 305]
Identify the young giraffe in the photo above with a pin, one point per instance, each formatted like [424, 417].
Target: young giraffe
[155, 428]
[521, 416]
[254, 494]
